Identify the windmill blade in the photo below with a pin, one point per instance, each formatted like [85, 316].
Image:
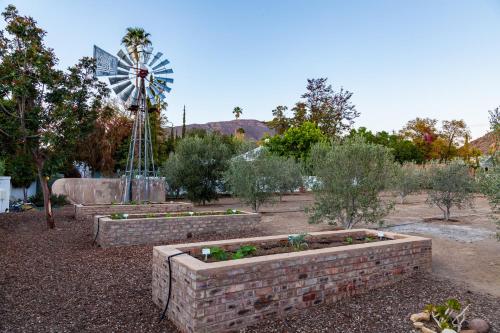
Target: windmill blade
[133, 98]
[155, 59]
[121, 72]
[126, 94]
[123, 65]
[119, 88]
[165, 79]
[147, 54]
[150, 95]
[164, 71]
[163, 63]
[157, 92]
[163, 86]
[117, 79]
[125, 57]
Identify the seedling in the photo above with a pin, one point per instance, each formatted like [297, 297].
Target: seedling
[149, 215]
[118, 216]
[298, 242]
[348, 240]
[448, 315]
[231, 211]
[368, 239]
[218, 253]
[244, 251]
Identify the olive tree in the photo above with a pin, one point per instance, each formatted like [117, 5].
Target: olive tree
[351, 176]
[408, 180]
[197, 167]
[256, 181]
[450, 185]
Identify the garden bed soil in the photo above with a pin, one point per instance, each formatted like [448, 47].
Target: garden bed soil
[284, 246]
[175, 214]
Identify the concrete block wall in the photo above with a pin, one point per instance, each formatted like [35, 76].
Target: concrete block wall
[227, 296]
[156, 230]
[89, 211]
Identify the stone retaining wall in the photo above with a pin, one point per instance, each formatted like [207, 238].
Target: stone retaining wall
[229, 295]
[157, 230]
[89, 211]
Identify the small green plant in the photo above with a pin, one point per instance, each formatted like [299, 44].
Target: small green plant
[218, 253]
[298, 242]
[168, 215]
[150, 215]
[117, 216]
[231, 211]
[113, 203]
[348, 240]
[133, 202]
[368, 239]
[244, 251]
[450, 315]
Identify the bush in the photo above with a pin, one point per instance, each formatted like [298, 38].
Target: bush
[351, 176]
[450, 185]
[408, 180]
[57, 200]
[255, 182]
[197, 167]
[489, 185]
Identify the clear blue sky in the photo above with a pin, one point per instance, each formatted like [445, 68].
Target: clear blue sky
[401, 59]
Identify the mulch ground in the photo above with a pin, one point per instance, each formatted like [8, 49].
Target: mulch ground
[56, 281]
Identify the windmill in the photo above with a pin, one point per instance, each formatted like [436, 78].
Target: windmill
[138, 79]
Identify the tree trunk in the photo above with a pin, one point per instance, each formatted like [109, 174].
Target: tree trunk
[25, 194]
[47, 205]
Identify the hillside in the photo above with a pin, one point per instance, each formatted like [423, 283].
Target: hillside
[254, 129]
[484, 143]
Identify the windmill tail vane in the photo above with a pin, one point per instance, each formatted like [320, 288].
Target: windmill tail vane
[138, 78]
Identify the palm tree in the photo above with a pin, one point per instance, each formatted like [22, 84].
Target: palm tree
[135, 38]
[237, 111]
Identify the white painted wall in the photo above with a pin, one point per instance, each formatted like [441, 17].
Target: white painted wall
[17, 192]
[4, 194]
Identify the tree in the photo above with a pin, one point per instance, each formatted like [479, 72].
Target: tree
[280, 122]
[183, 134]
[198, 166]
[408, 180]
[296, 142]
[422, 131]
[454, 133]
[287, 175]
[254, 182]
[495, 127]
[332, 111]
[171, 170]
[351, 176]
[237, 111]
[22, 171]
[48, 110]
[135, 40]
[450, 185]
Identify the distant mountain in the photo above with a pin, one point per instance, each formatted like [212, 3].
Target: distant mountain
[254, 129]
[485, 143]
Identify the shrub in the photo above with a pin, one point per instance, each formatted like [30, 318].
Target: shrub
[197, 166]
[286, 174]
[351, 176]
[408, 180]
[450, 185]
[489, 185]
[56, 199]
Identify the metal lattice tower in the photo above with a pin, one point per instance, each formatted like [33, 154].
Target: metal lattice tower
[139, 81]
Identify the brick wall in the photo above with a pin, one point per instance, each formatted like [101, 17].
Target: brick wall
[88, 211]
[156, 230]
[227, 296]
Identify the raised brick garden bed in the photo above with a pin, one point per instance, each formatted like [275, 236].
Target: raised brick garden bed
[226, 296]
[165, 227]
[88, 211]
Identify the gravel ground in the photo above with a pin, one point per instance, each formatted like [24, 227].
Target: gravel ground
[454, 232]
[55, 281]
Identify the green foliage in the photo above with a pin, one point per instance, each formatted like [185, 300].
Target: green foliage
[197, 166]
[450, 185]
[298, 242]
[118, 216]
[150, 215]
[244, 251]
[349, 240]
[2, 167]
[218, 253]
[296, 142]
[22, 170]
[408, 180]
[489, 185]
[351, 177]
[56, 199]
[450, 314]
[231, 211]
[255, 182]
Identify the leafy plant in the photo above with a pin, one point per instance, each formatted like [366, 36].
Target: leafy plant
[118, 216]
[244, 251]
[450, 314]
[150, 215]
[408, 180]
[298, 242]
[218, 253]
[56, 199]
[349, 240]
[231, 211]
[168, 215]
[369, 239]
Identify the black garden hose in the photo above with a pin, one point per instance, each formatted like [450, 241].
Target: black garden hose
[170, 282]
[97, 233]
